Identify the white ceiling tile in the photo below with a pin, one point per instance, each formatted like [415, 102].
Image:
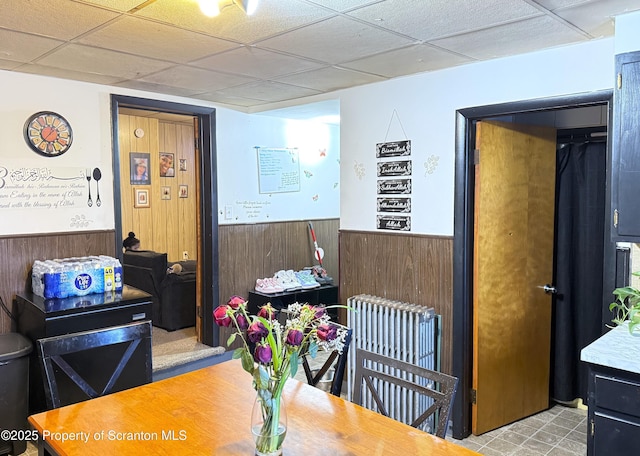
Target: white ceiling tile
[273, 17]
[151, 87]
[255, 62]
[343, 5]
[269, 91]
[101, 61]
[440, 18]
[220, 97]
[335, 40]
[118, 5]
[516, 38]
[329, 79]
[555, 4]
[197, 79]
[22, 47]
[60, 19]
[408, 60]
[151, 39]
[9, 64]
[65, 73]
[596, 18]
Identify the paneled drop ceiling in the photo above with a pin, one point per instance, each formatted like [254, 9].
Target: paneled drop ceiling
[289, 49]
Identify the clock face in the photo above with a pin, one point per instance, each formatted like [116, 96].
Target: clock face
[48, 133]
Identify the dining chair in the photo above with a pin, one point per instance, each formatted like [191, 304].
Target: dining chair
[89, 364]
[396, 386]
[314, 377]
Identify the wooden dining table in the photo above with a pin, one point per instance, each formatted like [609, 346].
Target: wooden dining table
[208, 412]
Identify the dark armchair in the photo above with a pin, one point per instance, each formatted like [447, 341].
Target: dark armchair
[174, 295]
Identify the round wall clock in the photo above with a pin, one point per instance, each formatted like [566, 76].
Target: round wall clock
[48, 133]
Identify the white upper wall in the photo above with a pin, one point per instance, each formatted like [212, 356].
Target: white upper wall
[426, 108]
[627, 33]
[50, 194]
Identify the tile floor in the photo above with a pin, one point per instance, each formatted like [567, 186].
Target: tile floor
[559, 431]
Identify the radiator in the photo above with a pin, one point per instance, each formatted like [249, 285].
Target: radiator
[399, 330]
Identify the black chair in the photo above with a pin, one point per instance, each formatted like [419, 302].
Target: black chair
[340, 364]
[86, 365]
[432, 390]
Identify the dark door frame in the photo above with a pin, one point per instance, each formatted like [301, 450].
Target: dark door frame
[208, 254]
[463, 233]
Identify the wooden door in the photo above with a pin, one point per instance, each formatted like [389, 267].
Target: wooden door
[513, 259]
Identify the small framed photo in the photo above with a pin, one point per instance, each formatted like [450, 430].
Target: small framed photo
[183, 164]
[165, 193]
[139, 168]
[141, 198]
[184, 191]
[166, 165]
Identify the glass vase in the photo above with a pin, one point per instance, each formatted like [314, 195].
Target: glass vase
[268, 424]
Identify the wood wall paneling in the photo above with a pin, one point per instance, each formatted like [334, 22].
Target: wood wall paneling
[250, 252]
[18, 253]
[409, 268]
[168, 225]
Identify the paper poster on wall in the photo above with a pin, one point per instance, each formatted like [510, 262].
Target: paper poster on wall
[394, 222]
[393, 149]
[278, 170]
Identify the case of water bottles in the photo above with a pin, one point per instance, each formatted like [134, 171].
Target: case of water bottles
[77, 276]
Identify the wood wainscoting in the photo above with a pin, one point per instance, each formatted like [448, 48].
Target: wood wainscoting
[17, 254]
[410, 268]
[250, 252]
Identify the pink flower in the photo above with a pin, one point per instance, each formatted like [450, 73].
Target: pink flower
[294, 337]
[242, 322]
[235, 302]
[262, 354]
[327, 332]
[267, 312]
[256, 332]
[221, 317]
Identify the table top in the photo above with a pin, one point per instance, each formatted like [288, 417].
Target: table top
[207, 412]
[74, 304]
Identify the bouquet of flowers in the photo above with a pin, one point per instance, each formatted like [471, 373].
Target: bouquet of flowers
[271, 350]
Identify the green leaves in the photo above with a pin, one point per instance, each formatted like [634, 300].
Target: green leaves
[245, 357]
[293, 362]
[627, 306]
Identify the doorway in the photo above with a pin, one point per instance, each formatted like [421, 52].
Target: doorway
[207, 236]
[464, 226]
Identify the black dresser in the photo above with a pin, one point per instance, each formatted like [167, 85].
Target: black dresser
[39, 317]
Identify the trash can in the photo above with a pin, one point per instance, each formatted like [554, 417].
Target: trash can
[14, 390]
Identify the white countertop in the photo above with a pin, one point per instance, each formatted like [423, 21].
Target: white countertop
[617, 349]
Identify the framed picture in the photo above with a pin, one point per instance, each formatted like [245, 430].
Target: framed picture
[165, 193]
[183, 164]
[166, 165]
[141, 198]
[139, 168]
[184, 191]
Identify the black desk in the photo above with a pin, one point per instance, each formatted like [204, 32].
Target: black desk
[39, 317]
[325, 294]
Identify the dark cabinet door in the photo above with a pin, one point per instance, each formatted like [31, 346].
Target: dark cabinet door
[625, 166]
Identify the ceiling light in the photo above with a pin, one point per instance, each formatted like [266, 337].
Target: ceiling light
[209, 8]
[248, 6]
[212, 8]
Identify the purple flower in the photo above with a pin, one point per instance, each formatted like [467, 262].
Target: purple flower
[262, 354]
[242, 322]
[319, 311]
[327, 332]
[235, 302]
[221, 317]
[257, 331]
[294, 337]
[267, 312]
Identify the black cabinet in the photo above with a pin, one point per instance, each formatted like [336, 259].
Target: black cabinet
[614, 412]
[625, 166]
[39, 317]
[325, 294]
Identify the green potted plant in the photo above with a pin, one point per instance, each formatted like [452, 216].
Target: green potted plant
[626, 307]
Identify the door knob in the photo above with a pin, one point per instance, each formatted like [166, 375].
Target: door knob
[549, 289]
